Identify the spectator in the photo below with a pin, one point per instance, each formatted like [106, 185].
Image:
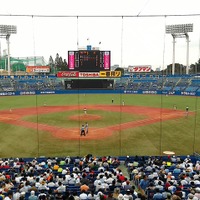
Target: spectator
[158, 195]
[43, 186]
[32, 196]
[143, 184]
[128, 195]
[127, 186]
[61, 188]
[83, 195]
[9, 195]
[197, 192]
[84, 187]
[116, 193]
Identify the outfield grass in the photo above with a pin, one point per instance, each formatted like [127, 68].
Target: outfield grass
[178, 135]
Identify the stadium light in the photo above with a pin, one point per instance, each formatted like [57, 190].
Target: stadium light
[179, 28]
[5, 32]
[179, 31]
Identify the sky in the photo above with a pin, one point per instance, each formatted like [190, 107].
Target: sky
[133, 30]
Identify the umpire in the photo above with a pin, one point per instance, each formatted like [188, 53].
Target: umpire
[82, 130]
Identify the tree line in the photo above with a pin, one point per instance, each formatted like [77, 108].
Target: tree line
[60, 64]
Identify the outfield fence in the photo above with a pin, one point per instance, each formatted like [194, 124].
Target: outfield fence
[98, 91]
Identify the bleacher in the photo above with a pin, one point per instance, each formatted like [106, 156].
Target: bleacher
[21, 170]
[164, 83]
[138, 83]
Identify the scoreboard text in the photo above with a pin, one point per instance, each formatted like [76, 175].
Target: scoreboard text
[89, 60]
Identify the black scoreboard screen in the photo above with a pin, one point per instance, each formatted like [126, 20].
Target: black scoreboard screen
[89, 60]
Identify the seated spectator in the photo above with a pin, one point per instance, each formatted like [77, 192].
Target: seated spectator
[116, 193]
[128, 195]
[83, 195]
[159, 186]
[59, 196]
[26, 187]
[61, 188]
[16, 195]
[84, 179]
[100, 196]
[92, 195]
[109, 179]
[166, 193]
[84, 187]
[9, 195]
[8, 185]
[141, 197]
[72, 180]
[133, 192]
[168, 197]
[158, 195]
[178, 192]
[197, 193]
[128, 186]
[172, 188]
[43, 186]
[55, 167]
[177, 170]
[32, 196]
[175, 197]
[42, 195]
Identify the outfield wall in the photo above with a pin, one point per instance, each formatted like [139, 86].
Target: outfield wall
[99, 91]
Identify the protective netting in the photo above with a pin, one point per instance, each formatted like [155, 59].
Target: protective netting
[20, 63]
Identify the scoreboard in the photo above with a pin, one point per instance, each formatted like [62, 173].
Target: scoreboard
[89, 60]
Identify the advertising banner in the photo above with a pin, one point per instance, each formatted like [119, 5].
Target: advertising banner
[88, 74]
[111, 74]
[37, 69]
[71, 60]
[141, 68]
[63, 74]
[106, 60]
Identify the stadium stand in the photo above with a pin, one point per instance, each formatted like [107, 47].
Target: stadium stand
[176, 85]
[90, 177]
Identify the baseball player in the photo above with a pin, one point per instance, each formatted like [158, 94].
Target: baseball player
[82, 130]
[86, 128]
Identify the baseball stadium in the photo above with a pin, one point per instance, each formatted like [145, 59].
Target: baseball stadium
[85, 111]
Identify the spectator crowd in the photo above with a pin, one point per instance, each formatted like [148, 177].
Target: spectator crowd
[100, 178]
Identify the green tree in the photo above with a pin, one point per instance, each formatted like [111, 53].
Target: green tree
[18, 66]
[178, 69]
[195, 68]
[52, 65]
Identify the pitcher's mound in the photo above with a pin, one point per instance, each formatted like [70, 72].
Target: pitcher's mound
[85, 117]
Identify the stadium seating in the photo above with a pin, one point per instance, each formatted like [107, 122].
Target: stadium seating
[25, 171]
[175, 84]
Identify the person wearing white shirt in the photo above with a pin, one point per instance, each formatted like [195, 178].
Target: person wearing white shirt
[83, 195]
[9, 195]
[110, 179]
[101, 169]
[61, 188]
[43, 186]
[16, 196]
[72, 180]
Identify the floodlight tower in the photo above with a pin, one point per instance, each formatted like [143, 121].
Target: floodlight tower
[5, 32]
[179, 31]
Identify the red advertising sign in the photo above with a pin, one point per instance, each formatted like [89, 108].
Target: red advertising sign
[67, 74]
[142, 68]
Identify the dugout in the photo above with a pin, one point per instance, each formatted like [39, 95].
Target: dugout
[89, 84]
